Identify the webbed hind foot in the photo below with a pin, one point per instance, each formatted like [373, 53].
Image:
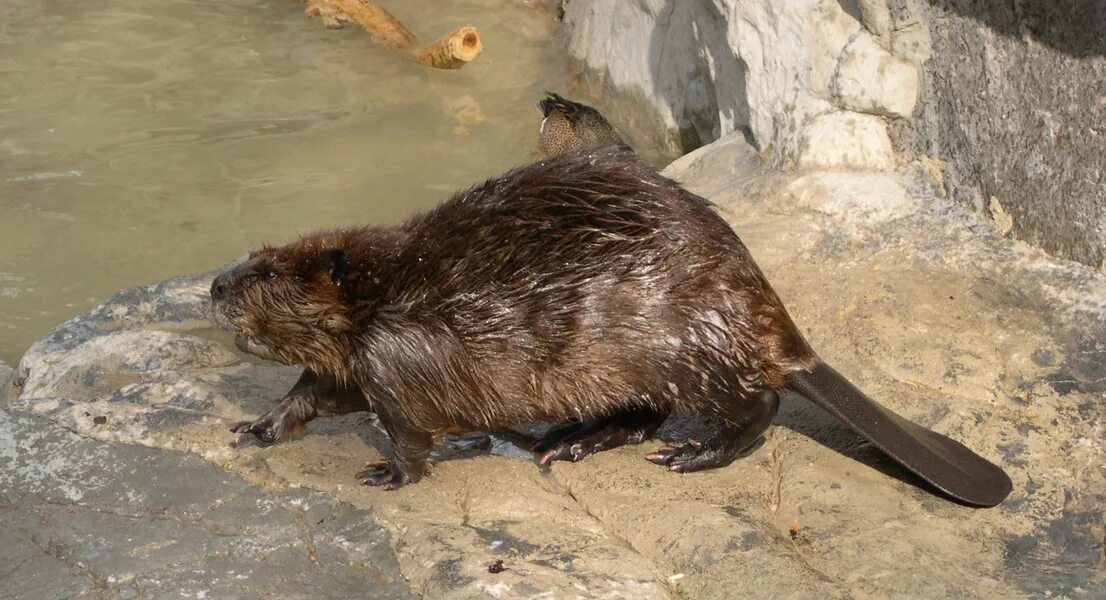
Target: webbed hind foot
[574, 441]
[696, 456]
[733, 435]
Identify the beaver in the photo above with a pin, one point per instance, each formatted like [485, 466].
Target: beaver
[584, 289]
[567, 126]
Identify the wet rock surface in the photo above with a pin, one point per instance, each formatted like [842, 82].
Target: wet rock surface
[928, 310]
[82, 518]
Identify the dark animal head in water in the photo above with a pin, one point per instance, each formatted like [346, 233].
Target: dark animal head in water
[569, 126]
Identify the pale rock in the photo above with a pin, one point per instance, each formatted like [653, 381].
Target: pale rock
[711, 68]
[731, 154]
[676, 55]
[1003, 221]
[853, 198]
[846, 140]
[876, 16]
[834, 31]
[910, 35]
[872, 80]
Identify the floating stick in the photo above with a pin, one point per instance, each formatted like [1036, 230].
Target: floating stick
[452, 51]
[384, 28]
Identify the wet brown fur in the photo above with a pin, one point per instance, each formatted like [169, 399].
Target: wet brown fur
[585, 288]
[576, 287]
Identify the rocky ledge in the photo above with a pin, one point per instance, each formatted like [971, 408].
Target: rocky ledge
[924, 307]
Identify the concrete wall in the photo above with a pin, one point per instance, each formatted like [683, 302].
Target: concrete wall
[1014, 105]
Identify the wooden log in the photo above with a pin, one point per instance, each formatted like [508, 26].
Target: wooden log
[384, 28]
[452, 51]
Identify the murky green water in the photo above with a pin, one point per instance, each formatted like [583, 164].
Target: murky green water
[143, 140]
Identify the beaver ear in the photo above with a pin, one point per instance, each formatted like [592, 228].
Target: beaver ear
[336, 263]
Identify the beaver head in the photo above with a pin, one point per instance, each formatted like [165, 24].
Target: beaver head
[292, 304]
[568, 126]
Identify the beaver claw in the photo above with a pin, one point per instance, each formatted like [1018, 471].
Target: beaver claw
[575, 440]
[692, 456]
[697, 456]
[576, 447]
[266, 429]
[383, 474]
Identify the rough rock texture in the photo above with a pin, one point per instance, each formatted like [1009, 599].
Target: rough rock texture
[87, 519]
[924, 307]
[1014, 104]
[6, 377]
[872, 80]
[846, 139]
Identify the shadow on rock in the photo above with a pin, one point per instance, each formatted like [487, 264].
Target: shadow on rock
[1074, 27]
[714, 88]
[806, 419]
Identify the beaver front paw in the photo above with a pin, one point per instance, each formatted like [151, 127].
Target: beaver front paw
[383, 473]
[267, 429]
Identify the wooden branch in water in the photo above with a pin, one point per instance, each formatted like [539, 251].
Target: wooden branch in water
[452, 51]
[384, 28]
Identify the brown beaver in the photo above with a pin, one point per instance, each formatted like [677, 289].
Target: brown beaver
[584, 286]
[568, 126]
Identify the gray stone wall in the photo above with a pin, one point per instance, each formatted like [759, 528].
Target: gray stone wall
[1013, 109]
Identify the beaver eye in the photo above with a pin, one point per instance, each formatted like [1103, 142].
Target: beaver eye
[270, 274]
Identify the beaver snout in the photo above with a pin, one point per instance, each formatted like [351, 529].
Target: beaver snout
[220, 288]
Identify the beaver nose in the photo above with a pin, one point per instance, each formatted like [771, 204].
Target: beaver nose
[220, 287]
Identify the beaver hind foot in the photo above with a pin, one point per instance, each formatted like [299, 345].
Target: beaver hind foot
[573, 441]
[728, 439]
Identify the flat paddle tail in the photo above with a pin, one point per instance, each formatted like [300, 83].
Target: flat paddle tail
[944, 463]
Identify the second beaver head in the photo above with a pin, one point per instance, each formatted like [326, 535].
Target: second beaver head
[570, 126]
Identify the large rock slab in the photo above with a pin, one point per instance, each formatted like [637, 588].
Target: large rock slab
[921, 305]
[88, 519]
